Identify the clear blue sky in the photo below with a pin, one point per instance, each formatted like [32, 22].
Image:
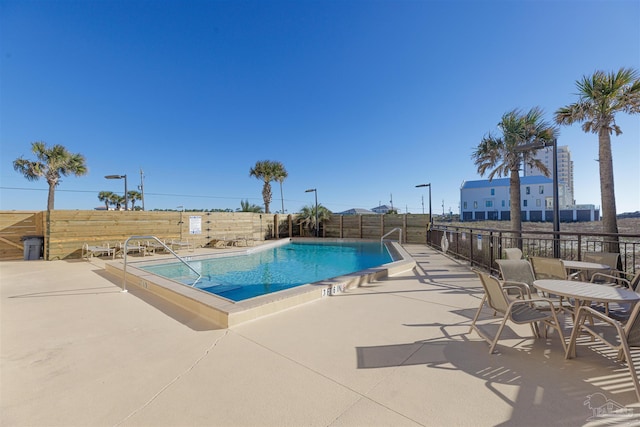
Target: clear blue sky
[359, 99]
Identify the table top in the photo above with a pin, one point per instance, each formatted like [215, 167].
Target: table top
[586, 291]
[585, 265]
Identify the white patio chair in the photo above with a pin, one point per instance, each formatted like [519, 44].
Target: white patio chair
[519, 311]
[611, 333]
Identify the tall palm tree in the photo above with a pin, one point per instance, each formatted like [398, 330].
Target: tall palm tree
[307, 217]
[601, 96]
[268, 171]
[132, 196]
[503, 155]
[281, 179]
[105, 197]
[52, 163]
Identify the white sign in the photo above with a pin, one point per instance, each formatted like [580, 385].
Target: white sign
[195, 225]
[333, 290]
[479, 242]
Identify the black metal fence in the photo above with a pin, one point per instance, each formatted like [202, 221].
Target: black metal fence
[481, 246]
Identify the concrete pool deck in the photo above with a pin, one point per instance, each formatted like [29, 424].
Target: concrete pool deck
[75, 351]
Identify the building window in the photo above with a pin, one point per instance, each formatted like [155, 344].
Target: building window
[527, 190]
[475, 205]
[503, 203]
[488, 203]
[541, 189]
[493, 191]
[464, 205]
[524, 202]
[538, 202]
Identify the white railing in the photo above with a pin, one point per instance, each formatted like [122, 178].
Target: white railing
[167, 248]
[398, 229]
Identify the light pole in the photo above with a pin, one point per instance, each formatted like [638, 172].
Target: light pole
[141, 187]
[316, 194]
[430, 216]
[181, 222]
[126, 199]
[556, 198]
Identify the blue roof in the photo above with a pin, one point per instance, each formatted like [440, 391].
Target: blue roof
[504, 182]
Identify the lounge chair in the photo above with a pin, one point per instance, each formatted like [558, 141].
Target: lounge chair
[132, 247]
[176, 245]
[513, 253]
[610, 332]
[519, 311]
[89, 251]
[518, 272]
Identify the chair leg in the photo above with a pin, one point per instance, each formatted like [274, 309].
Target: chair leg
[497, 337]
[632, 369]
[558, 327]
[475, 318]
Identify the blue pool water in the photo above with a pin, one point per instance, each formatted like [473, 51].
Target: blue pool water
[297, 263]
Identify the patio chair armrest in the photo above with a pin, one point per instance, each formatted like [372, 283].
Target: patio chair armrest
[586, 310]
[521, 285]
[529, 301]
[575, 276]
[613, 279]
[517, 288]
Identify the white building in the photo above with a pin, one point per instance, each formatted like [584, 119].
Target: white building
[565, 171]
[490, 200]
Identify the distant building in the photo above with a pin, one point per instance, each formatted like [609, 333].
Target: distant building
[382, 209]
[565, 171]
[356, 211]
[490, 200]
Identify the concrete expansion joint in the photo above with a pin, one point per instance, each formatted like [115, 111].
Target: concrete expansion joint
[174, 380]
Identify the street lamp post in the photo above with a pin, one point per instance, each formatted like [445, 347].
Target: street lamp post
[181, 221]
[556, 198]
[126, 199]
[430, 216]
[316, 194]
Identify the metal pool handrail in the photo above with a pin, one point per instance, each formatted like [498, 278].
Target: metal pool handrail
[398, 229]
[126, 242]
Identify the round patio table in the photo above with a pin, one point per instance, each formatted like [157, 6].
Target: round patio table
[587, 291]
[584, 267]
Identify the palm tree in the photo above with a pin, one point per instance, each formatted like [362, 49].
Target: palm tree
[52, 163]
[268, 171]
[281, 179]
[307, 217]
[106, 197]
[601, 96]
[117, 201]
[133, 195]
[245, 206]
[503, 155]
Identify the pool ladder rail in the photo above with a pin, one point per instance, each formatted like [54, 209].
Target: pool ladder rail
[398, 229]
[167, 248]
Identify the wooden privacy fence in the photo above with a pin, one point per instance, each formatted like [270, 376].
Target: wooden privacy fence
[14, 226]
[64, 232]
[413, 226]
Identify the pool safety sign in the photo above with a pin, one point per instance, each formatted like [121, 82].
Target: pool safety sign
[195, 225]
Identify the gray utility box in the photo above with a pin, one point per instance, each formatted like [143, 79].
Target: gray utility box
[32, 247]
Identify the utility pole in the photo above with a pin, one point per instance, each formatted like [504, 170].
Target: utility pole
[141, 187]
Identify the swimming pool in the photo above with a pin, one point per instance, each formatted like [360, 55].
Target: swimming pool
[227, 313]
[274, 269]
